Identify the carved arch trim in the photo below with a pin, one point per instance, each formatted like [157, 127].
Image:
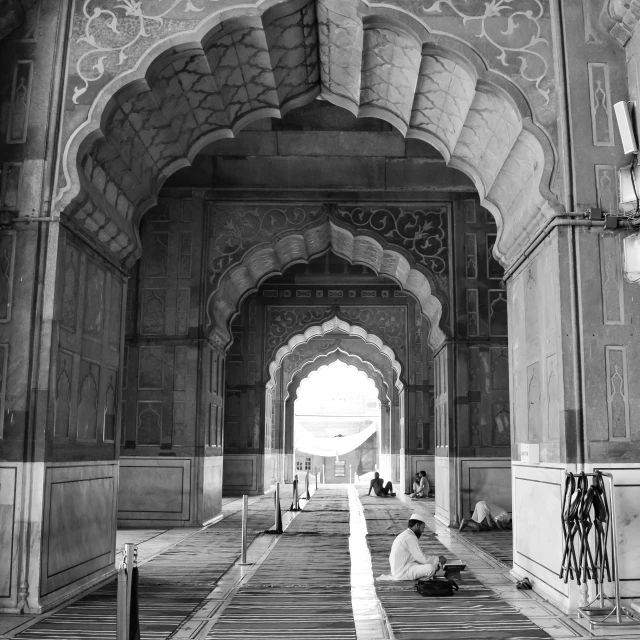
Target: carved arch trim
[241, 64]
[333, 324]
[337, 355]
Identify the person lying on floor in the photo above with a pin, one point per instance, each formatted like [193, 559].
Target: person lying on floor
[487, 516]
[422, 490]
[407, 560]
[379, 487]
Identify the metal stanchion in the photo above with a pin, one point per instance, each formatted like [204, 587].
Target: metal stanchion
[315, 469]
[323, 478]
[278, 515]
[307, 495]
[123, 606]
[350, 476]
[295, 504]
[245, 516]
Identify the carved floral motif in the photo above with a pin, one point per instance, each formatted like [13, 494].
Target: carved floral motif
[237, 229]
[513, 28]
[389, 323]
[422, 231]
[112, 32]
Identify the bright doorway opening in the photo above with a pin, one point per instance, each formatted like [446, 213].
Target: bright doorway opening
[337, 424]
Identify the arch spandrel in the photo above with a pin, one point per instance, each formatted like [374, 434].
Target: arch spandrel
[252, 242]
[204, 72]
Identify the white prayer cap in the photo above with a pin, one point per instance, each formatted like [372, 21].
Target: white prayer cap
[417, 516]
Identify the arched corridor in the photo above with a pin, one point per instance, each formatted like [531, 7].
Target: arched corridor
[203, 203]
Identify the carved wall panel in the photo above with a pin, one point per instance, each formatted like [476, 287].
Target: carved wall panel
[553, 401]
[111, 406]
[612, 279]
[7, 260]
[617, 393]
[534, 407]
[163, 381]
[498, 313]
[89, 382]
[85, 391]
[154, 304]
[63, 395]
[501, 425]
[607, 188]
[151, 368]
[601, 107]
[149, 431]
[499, 369]
[471, 255]
[11, 186]
[94, 301]
[473, 315]
[20, 102]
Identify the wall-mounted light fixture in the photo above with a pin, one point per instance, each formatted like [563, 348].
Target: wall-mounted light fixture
[629, 189]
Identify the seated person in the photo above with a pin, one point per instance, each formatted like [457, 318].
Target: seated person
[415, 485]
[423, 488]
[407, 560]
[380, 488]
[487, 516]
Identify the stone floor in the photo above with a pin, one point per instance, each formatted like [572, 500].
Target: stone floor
[314, 581]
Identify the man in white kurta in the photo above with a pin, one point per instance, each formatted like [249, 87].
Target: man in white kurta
[406, 559]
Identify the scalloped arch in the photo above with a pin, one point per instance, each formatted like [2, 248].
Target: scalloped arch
[326, 359]
[322, 329]
[357, 247]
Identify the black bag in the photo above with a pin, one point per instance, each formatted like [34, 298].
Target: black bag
[436, 588]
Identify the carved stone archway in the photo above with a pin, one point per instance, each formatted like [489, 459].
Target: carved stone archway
[198, 87]
[334, 324]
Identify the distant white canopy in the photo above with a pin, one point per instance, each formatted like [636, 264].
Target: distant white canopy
[328, 447]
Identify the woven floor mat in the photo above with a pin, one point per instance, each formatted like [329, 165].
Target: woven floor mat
[473, 612]
[287, 613]
[498, 544]
[172, 584]
[302, 589]
[161, 611]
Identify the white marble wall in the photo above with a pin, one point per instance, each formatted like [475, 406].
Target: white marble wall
[484, 479]
[627, 503]
[155, 491]
[211, 488]
[537, 530]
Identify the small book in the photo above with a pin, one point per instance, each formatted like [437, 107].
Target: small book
[454, 566]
